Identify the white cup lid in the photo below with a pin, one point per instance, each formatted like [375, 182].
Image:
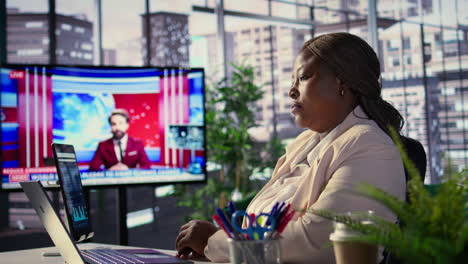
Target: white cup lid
[342, 233]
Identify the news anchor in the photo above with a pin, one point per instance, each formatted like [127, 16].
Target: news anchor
[120, 152]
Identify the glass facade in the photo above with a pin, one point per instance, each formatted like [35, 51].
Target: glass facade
[27, 31]
[74, 32]
[122, 34]
[271, 49]
[424, 75]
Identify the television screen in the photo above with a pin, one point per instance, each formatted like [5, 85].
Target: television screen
[158, 135]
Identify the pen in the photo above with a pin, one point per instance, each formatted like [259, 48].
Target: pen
[220, 223]
[287, 218]
[232, 207]
[274, 209]
[282, 213]
[227, 223]
[273, 212]
[280, 207]
[223, 218]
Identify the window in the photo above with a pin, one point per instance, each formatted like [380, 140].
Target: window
[437, 39]
[406, 43]
[394, 61]
[276, 58]
[66, 27]
[449, 124]
[248, 6]
[392, 45]
[79, 30]
[34, 24]
[122, 30]
[76, 29]
[284, 9]
[87, 46]
[408, 59]
[30, 52]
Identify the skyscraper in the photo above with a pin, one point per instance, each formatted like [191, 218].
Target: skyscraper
[169, 39]
[28, 39]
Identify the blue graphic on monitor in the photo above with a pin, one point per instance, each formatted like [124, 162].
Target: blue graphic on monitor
[79, 214]
[196, 166]
[81, 118]
[196, 99]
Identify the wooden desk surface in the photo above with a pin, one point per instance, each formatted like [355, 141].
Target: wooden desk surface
[35, 255]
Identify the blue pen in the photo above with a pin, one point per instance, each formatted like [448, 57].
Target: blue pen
[225, 221]
[275, 207]
[273, 212]
[280, 208]
[283, 212]
[232, 207]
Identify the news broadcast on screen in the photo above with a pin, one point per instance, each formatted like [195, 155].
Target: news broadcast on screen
[164, 107]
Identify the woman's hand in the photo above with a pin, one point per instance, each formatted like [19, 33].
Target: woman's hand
[193, 237]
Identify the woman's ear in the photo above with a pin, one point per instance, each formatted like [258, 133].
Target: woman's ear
[341, 84]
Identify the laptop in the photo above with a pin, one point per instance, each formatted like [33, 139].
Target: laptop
[78, 220]
[76, 217]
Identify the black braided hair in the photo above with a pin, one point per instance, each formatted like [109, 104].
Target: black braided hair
[355, 63]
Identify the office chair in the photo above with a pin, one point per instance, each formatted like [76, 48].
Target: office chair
[417, 155]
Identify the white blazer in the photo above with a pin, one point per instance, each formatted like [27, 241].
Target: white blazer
[356, 151]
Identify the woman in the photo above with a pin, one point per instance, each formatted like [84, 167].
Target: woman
[336, 95]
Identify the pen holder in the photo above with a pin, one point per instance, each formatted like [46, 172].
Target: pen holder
[254, 251]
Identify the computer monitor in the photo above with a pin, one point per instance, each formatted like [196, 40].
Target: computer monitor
[42, 104]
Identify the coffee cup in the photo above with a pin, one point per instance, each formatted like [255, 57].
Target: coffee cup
[351, 252]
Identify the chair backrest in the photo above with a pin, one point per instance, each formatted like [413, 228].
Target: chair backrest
[417, 155]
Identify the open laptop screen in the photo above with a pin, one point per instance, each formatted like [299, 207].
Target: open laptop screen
[72, 191]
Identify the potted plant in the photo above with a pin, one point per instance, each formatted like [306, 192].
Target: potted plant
[231, 105]
[433, 228]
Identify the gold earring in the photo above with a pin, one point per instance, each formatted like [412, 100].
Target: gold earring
[342, 92]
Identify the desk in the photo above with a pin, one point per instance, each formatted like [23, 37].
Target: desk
[35, 255]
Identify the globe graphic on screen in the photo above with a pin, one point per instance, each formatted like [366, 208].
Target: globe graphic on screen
[81, 118]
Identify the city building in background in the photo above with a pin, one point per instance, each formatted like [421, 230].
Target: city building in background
[428, 88]
[252, 46]
[109, 57]
[169, 39]
[204, 53]
[271, 51]
[28, 39]
[335, 11]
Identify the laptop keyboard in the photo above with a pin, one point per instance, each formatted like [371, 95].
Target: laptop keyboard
[108, 256]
